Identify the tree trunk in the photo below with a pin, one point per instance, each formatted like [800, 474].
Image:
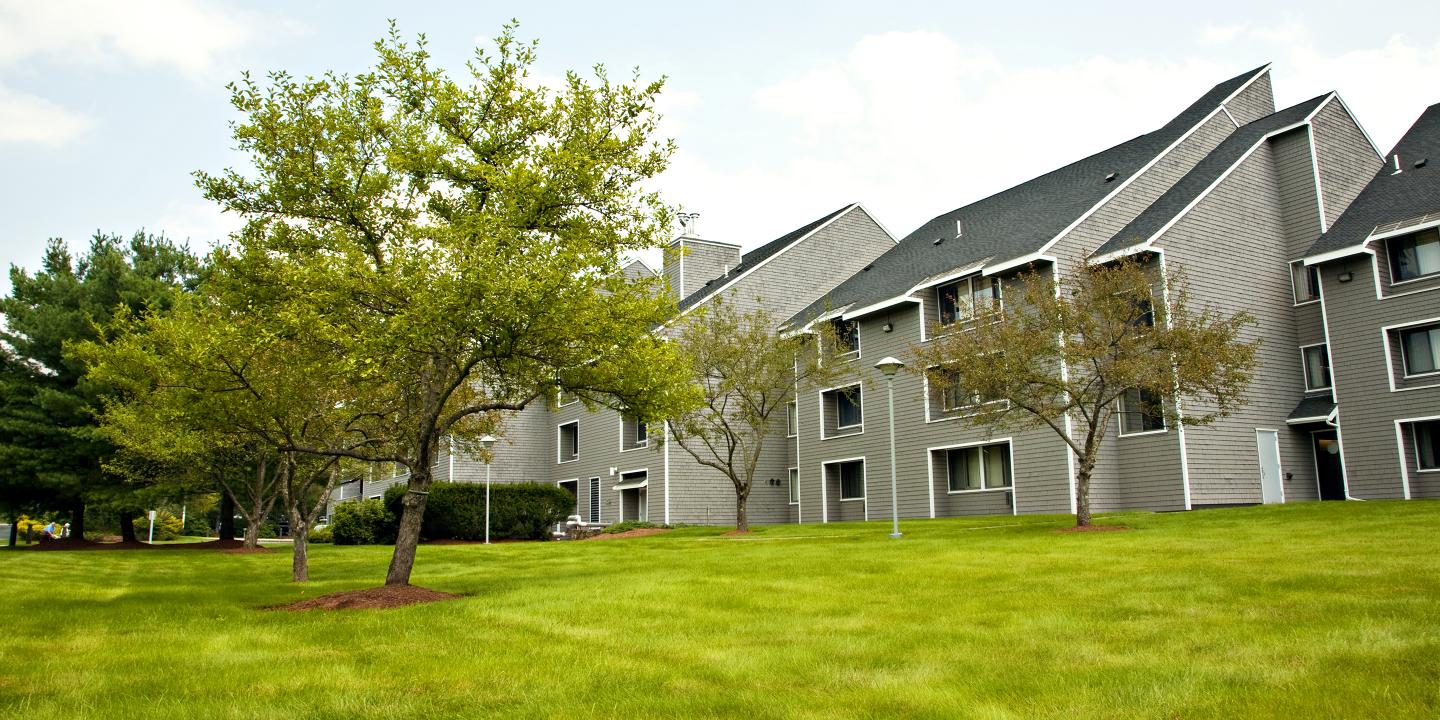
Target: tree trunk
[127, 526]
[412, 511]
[252, 533]
[226, 521]
[1082, 492]
[77, 518]
[300, 562]
[742, 514]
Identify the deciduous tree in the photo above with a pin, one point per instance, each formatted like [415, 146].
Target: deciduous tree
[457, 242]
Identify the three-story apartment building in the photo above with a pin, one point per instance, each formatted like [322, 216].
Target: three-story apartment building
[1231, 193]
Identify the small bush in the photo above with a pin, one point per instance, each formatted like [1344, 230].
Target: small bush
[167, 526]
[323, 535]
[362, 522]
[198, 527]
[620, 527]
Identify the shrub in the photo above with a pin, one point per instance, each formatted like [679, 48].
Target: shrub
[362, 522]
[322, 535]
[518, 511]
[167, 526]
[198, 527]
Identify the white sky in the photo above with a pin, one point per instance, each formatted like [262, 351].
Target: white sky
[782, 112]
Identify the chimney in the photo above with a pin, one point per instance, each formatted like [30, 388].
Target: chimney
[691, 261]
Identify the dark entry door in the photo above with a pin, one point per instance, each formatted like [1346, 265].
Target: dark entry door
[1328, 469]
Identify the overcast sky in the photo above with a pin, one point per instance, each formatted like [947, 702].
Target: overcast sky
[782, 112]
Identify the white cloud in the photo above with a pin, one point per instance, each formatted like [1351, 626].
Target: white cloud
[26, 118]
[916, 124]
[188, 36]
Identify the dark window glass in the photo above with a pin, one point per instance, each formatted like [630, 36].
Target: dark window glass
[1421, 348]
[1317, 368]
[1413, 256]
[1427, 444]
[847, 408]
[852, 480]
[847, 333]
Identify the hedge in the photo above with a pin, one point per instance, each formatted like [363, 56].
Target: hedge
[362, 522]
[518, 511]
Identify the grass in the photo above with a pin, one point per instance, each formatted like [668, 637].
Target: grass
[1304, 610]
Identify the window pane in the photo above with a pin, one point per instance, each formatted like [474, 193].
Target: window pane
[1427, 445]
[950, 303]
[847, 333]
[1422, 350]
[985, 296]
[1312, 282]
[1317, 368]
[997, 466]
[964, 469]
[794, 485]
[847, 408]
[791, 419]
[1414, 255]
[1140, 412]
[641, 432]
[852, 480]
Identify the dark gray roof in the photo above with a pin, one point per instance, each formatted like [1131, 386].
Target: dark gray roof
[1018, 221]
[1390, 197]
[1314, 406]
[757, 256]
[1204, 174]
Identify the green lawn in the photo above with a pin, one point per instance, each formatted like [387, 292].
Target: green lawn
[1301, 611]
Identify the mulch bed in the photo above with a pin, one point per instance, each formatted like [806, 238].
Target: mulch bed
[387, 596]
[637, 532]
[77, 544]
[1092, 528]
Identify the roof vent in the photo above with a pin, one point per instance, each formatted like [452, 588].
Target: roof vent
[1110, 177]
[1421, 162]
[959, 229]
[867, 267]
[937, 241]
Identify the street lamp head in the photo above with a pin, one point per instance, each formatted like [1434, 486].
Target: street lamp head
[889, 366]
[487, 442]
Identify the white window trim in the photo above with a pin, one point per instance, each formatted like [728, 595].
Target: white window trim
[1389, 355]
[560, 399]
[1305, 369]
[1400, 450]
[559, 445]
[1390, 269]
[954, 413]
[792, 406]
[969, 280]
[1295, 289]
[1415, 442]
[847, 430]
[864, 480]
[1120, 422]
[930, 464]
[640, 446]
[792, 476]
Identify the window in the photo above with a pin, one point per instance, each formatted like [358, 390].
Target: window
[634, 433]
[792, 419]
[1427, 444]
[594, 499]
[1420, 348]
[847, 408]
[1317, 367]
[566, 398]
[978, 468]
[968, 299]
[1140, 411]
[1414, 256]
[847, 333]
[852, 479]
[794, 486]
[569, 446]
[950, 396]
[1145, 316]
[1305, 281]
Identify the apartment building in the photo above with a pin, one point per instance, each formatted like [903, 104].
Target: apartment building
[1372, 277]
[1231, 192]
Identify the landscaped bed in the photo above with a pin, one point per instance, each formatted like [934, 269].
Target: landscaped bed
[1298, 611]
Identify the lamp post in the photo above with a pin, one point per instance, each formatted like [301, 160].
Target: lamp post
[888, 366]
[487, 442]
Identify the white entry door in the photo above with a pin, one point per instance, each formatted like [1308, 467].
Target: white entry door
[1272, 486]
